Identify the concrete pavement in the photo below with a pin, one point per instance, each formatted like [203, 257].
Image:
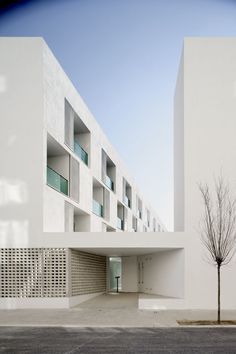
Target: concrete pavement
[106, 311]
[103, 311]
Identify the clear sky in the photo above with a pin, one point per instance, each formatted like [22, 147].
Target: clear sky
[123, 57]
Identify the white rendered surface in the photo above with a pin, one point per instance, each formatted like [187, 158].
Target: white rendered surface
[206, 102]
[163, 273]
[129, 274]
[206, 110]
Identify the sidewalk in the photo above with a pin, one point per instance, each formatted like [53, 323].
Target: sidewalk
[105, 311]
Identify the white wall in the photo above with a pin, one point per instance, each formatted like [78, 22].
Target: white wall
[60, 164]
[85, 188]
[45, 303]
[84, 140]
[207, 104]
[163, 273]
[209, 118]
[82, 223]
[54, 211]
[201, 279]
[129, 274]
[21, 149]
[98, 194]
[179, 150]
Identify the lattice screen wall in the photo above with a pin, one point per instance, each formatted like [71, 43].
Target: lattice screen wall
[88, 273]
[33, 272]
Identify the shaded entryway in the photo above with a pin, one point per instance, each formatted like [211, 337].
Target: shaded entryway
[115, 270]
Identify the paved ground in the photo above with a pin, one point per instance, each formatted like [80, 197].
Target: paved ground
[16, 340]
[105, 311]
[112, 301]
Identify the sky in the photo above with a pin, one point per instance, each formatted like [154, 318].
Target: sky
[123, 58]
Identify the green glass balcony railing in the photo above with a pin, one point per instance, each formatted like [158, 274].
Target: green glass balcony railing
[97, 208]
[56, 181]
[109, 183]
[127, 201]
[120, 224]
[79, 151]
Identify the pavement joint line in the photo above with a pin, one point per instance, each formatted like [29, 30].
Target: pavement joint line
[115, 326]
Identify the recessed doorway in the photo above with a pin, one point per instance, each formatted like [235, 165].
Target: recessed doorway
[115, 267]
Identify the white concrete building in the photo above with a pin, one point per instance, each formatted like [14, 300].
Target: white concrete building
[86, 187]
[58, 269]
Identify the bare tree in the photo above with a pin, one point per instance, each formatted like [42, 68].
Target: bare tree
[218, 228]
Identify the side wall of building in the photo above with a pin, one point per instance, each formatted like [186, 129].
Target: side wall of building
[209, 151]
[179, 149]
[21, 150]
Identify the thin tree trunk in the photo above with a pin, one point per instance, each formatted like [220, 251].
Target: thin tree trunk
[218, 313]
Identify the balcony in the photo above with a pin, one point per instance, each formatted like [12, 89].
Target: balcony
[127, 201]
[120, 224]
[139, 214]
[79, 151]
[97, 208]
[56, 181]
[109, 183]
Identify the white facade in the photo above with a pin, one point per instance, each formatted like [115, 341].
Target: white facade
[169, 269]
[101, 194]
[205, 148]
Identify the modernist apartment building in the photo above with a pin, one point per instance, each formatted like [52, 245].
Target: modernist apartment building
[86, 187]
[61, 174]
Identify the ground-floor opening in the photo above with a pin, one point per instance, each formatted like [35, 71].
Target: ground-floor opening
[62, 277]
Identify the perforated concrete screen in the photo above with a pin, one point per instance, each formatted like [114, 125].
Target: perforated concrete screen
[54, 273]
[33, 272]
[44, 273]
[88, 273]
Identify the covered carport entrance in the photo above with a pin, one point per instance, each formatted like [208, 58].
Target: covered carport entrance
[148, 278]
